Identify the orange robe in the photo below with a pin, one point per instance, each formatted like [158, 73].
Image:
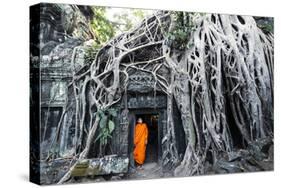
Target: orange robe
[140, 140]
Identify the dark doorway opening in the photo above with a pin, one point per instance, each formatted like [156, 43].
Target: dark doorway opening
[152, 147]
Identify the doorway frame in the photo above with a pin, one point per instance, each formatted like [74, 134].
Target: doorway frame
[161, 112]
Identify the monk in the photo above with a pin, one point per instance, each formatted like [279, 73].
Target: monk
[140, 141]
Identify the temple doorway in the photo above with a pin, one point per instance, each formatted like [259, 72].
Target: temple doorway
[155, 120]
[152, 146]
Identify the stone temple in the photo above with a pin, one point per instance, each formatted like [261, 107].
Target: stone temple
[55, 64]
[59, 30]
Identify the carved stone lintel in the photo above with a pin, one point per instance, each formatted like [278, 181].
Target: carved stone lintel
[146, 101]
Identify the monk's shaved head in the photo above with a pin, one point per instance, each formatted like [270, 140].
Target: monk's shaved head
[139, 120]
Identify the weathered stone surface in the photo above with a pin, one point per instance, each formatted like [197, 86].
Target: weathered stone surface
[60, 28]
[149, 171]
[259, 148]
[112, 164]
[59, 21]
[232, 156]
[257, 157]
[146, 101]
[115, 178]
[52, 171]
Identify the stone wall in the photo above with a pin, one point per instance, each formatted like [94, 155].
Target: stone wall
[56, 31]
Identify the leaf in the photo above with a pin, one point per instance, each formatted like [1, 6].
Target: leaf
[112, 112]
[111, 126]
[100, 113]
[103, 121]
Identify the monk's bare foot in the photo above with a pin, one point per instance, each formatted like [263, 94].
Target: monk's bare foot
[139, 167]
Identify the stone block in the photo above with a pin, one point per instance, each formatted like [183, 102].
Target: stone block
[111, 164]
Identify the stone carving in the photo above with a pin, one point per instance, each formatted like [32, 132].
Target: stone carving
[141, 82]
[147, 101]
[59, 29]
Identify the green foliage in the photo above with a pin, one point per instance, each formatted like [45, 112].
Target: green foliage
[265, 24]
[138, 13]
[125, 20]
[103, 28]
[90, 53]
[112, 112]
[111, 126]
[106, 126]
[124, 23]
[267, 28]
[179, 36]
